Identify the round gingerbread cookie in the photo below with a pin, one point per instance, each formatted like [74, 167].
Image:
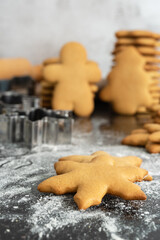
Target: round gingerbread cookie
[147, 51]
[149, 67]
[137, 41]
[149, 60]
[137, 33]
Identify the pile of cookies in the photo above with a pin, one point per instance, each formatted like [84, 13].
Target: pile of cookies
[133, 83]
[148, 136]
[47, 88]
[46, 94]
[91, 177]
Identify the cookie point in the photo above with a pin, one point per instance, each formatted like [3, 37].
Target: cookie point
[148, 178]
[144, 197]
[39, 187]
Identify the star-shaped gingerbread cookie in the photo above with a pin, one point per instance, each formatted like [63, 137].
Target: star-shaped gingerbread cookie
[118, 161]
[93, 179]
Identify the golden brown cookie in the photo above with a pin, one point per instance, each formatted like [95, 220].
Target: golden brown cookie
[152, 60]
[46, 94]
[142, 109]
[139, 130]
[138, 41]
[158, 113]
[157, 120]
[51, 61]
[154, 82]
[152, 147]
[154, 88]
[155, 137]
[146, 51]
[128, 95]
[139, 139]
[149, 67]
[46, 84]
[94, 88]
[119, 161]
[151, 143]
[155, 107]
[137, 33]
[156, 95]
[47, 97]
[155, 75]
[91, 182]
[46, 103]
[47, 91]
[18, 67]
[37, 72]
[73, 76]
[149, 60]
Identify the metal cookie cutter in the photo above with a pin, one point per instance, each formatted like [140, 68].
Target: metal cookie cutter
[12, 127]
[40, 126]
[23, 85]
[48, 127]
[13, 101]
[13, 111]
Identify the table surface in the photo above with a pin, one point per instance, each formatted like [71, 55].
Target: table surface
[26, 213]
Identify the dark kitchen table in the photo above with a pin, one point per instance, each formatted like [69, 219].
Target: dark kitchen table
[26, 213]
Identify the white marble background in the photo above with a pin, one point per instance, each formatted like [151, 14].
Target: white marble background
[36, 29]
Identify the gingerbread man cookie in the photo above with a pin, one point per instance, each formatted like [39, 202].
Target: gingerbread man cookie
[92, 180]
[73, 76]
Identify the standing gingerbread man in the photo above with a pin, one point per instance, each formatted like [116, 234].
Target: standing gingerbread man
[75, 79]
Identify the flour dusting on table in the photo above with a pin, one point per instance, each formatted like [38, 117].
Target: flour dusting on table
[50, 216]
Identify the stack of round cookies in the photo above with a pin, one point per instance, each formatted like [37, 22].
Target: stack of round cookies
[133, 82]
[147, 44]
[46, 94]
[47, 88]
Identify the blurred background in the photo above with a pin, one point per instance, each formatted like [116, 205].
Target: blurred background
[37, 29]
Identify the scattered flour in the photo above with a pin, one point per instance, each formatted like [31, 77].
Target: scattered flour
[50, 216]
